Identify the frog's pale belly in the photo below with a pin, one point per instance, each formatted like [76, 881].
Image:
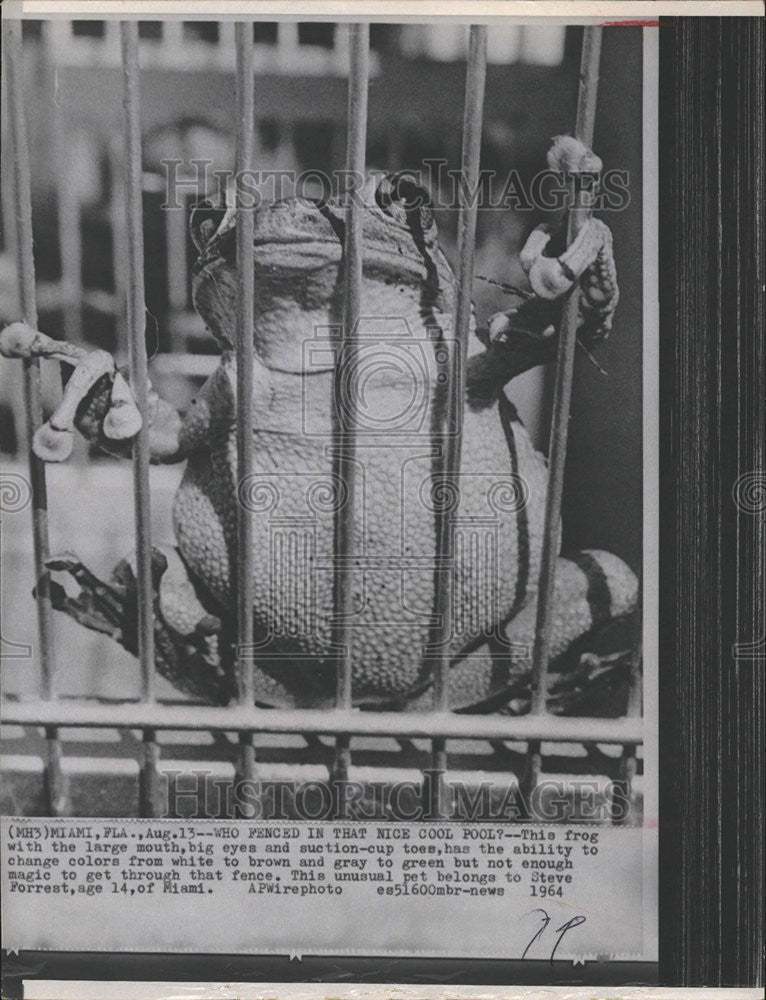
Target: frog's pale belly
[497, 533]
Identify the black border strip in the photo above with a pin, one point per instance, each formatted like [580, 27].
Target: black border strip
[711, 554]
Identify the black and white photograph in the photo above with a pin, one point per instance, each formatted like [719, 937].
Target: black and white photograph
[335, 396]
[329, 380]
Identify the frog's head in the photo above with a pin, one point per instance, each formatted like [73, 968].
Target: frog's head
[299, 273]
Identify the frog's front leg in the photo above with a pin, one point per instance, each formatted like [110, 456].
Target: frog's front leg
[589, 261]
[96, 399]
[525, 336]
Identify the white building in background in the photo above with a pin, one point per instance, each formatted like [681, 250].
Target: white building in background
[294, 48]
[531, 44]
[288, 47]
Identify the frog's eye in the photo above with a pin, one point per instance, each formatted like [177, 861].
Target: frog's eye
[204, 222]
[404, 199]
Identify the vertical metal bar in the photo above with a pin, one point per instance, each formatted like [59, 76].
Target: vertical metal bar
[346, 415]
[55, 789]
[56, 785]
[341, 759]
[175, 240]
[118, 224]
[623, 787]
[149, 779]
[12, 45]
[67, 204]
[345, 437]
[243, 44]
[529, 779]
[438, 803]
[178, 278]
[245, 321]
[472, 126]
[346, 426]
[139, 382]
[476, 72]
[628, 763]
[586, 111]
[70, 240]
[246, 771]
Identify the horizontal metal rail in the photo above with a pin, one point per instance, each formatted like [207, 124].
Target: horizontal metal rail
[328, 722]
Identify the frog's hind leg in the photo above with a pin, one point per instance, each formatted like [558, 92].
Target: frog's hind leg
[189, 635]
[592, 589]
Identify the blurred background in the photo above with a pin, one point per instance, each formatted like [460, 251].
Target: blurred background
[73, 93]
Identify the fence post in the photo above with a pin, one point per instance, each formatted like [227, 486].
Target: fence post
[55, 782]
[139, 383]
[476, 72]
[345, 403]
[578, 214]
[243, 42]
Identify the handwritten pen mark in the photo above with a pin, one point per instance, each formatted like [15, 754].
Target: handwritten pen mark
[574, 922]
[545, 921]
[561, 931]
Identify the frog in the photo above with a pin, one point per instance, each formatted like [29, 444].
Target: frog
[396, 398]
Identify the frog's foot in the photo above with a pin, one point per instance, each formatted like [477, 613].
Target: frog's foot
[589, 261]
[524, 336]
[597, 679]
[191, 649]
[553, 272]
[94, 377]
[97, 400]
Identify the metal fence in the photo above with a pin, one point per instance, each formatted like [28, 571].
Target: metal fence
[343, 722]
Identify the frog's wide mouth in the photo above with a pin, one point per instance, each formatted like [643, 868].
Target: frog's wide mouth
[297, 255]
[300, 236]
[290, 235]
